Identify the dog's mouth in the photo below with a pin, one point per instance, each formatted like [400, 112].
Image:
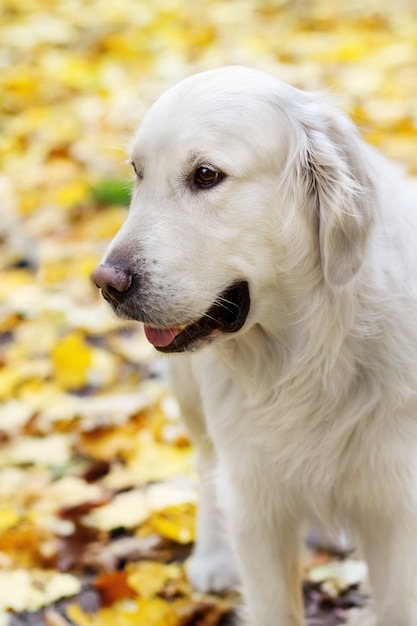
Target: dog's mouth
[226, 315]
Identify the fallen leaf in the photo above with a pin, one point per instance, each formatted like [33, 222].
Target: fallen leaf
[32, 589]
[176, 523]
[29, 545]
[119, 551]
[126, 510]
[52, 450]
[71, 359]
[149, 461]
[82, 394]
[142, 612]
[148, 579]
[8, 518]
[113, 587]
[336, 576]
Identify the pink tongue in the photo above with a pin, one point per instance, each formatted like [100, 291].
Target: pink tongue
[160, 337]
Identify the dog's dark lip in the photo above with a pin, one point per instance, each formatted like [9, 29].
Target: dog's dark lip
[227, 315]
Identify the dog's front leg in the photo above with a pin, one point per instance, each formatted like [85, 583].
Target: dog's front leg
[389, 541]
[266, 542]
[212, 565]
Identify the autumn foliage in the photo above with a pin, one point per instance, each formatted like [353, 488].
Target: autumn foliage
[97, 488]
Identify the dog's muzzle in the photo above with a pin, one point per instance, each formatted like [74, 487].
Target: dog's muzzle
[226, 315]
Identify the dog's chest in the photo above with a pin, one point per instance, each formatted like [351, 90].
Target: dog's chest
[302, 437]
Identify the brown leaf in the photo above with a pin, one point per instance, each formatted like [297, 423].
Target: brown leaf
[113, 586]
[73, 547]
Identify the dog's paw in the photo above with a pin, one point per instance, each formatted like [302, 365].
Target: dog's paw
[212, 572]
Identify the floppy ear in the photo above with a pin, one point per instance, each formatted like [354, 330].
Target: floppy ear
[339, 179]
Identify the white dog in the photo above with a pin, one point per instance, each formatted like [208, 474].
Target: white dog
[265, 237]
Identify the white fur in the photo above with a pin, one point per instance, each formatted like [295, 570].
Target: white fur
[311, 408]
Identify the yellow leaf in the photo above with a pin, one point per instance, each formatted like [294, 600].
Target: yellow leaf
[71, 194]
[176, 523]
[9, 379]
[55, 271]
[71, 358]
[8, 518]
[12, 281]
[154, 461]
[29, 203]
[351, 48]
[108, 443]
[105, 224]
[147, 462]
[153, 612]
[9, 322]
[143, 612]
[77, 615]
[149, 578]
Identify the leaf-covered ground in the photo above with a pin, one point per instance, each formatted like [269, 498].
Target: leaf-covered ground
[97, 490]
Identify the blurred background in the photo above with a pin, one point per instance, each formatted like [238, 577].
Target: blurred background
[93, 456]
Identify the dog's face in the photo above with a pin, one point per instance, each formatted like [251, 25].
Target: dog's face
[211, 229]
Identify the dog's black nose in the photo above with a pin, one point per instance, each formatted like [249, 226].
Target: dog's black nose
[112, 280]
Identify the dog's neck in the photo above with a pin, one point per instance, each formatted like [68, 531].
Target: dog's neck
[289, 345]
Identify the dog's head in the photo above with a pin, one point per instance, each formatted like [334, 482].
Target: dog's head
[243, 184]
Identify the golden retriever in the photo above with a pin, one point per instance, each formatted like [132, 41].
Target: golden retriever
[278, 251]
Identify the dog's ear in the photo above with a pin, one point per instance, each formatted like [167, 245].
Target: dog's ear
[339, 182]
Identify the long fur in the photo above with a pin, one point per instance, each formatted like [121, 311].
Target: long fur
[309, 413]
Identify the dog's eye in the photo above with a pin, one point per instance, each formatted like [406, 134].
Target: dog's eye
[206, 177]
[138, 173]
